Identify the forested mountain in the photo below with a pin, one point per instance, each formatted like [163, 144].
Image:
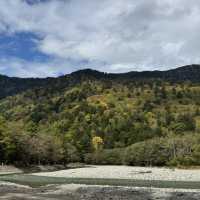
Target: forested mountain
[136, 118]
[12, 85]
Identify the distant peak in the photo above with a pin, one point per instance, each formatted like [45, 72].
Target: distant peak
[87, 72]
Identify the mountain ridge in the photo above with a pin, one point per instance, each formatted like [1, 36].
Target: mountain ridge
[184, 68]
[13, 85]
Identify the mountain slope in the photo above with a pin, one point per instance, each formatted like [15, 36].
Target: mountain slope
[12, 85]
[95, 117]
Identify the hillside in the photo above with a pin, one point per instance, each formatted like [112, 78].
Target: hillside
[136, 118]
[13, 85]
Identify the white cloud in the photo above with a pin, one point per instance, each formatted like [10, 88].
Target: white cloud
[15, 67]
[124, 34]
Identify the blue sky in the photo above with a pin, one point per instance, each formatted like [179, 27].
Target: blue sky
[22, 45]
[40, 38]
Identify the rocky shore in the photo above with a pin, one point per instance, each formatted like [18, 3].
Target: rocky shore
[83, 192]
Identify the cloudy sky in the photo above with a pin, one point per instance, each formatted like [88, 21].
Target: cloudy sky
[40, 38]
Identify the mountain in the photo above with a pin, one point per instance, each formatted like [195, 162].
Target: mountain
[136, 118]
[12, 85]
[185, 73]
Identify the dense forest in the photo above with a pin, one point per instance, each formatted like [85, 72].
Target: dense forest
[136, 118]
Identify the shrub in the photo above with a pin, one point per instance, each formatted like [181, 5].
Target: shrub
[152, 152]
[105, 157]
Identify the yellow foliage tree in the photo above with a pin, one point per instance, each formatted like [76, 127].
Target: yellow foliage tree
[97, 142]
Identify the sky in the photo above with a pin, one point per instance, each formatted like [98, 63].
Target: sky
[40, 38]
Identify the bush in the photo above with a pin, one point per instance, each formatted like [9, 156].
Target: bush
[173, 151]
[148, 153]
[106, 157]
[182, 161]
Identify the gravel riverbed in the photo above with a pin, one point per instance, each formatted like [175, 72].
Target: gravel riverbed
[127, 172]
[84, 192]
[13, 191]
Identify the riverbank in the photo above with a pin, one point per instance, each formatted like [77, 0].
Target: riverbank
[102, 182]
[127, 172]
[9, 169]
[84, 192]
